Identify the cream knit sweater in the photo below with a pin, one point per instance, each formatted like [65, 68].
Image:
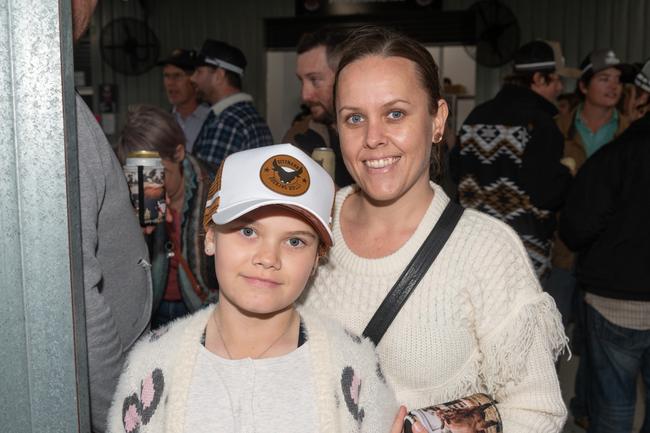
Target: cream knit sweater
[477, 322]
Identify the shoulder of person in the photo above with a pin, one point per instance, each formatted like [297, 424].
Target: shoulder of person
[166, 340]
[485, 229]
[348, 344]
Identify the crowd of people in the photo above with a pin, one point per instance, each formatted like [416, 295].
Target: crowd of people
[254, 305]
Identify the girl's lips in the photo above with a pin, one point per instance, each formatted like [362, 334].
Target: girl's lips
[261, 282]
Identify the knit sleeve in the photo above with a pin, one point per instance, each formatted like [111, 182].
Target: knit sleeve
[139, 400]
[520, 336]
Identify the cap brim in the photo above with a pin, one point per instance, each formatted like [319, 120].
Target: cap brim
[231, 213]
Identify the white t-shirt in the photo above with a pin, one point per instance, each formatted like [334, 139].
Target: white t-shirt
[267, 395]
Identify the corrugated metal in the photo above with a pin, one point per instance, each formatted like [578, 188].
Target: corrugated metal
[580, 25]
[42, 349]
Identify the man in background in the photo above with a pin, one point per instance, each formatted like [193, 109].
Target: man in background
[318, 58]
[507, 163]
[188, 111]
[605, 220]
[117, 283]
[233, 123]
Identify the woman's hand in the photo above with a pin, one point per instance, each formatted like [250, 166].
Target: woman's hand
[398, 424]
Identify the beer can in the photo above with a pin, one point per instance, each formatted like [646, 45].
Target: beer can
[326, 158]
[145, 176]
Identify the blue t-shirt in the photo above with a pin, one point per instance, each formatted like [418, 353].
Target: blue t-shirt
[595, 140]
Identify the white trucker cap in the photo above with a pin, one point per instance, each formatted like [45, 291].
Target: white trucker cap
[280, 174]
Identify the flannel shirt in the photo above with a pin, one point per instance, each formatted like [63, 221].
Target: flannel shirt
[233, 124]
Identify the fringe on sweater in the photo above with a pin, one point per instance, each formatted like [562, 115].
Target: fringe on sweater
[507, 348]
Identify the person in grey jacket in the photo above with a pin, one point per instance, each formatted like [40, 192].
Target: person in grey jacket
[117, 283]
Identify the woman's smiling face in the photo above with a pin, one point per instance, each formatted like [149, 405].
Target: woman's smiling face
[385, 125]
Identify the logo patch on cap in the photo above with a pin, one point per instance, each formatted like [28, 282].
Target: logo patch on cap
[285, 175]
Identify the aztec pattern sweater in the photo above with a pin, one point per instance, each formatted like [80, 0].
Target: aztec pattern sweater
[477, 322]
[352, 394]
[507, 164]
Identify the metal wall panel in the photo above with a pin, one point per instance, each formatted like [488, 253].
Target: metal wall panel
[39, 353]
[580, 25]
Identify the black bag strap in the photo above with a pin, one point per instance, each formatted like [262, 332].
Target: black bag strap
[413, 273]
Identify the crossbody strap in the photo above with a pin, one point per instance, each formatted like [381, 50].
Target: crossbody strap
[413, 273]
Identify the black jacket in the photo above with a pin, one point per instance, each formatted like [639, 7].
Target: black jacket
[607, 217]
[507, 164]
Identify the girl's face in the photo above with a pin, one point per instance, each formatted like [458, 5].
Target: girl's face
[173, 171]
[385, 126]
[263, 259]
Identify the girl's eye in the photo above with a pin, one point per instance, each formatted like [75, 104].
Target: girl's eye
[395, 115]
[295, 242]
[247, 232]
[354, 119]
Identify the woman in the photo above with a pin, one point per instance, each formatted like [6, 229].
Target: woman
[186, 184]
[478, 321]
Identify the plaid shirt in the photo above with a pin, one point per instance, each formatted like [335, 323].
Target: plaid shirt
[236, 126]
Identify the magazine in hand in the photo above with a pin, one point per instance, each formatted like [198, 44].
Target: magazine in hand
[474, 414]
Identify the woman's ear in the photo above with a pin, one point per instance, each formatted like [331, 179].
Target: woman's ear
[179, 153]
[209, 242]
[439, 120]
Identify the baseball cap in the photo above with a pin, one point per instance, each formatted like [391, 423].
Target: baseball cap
[601, 59]
[642, 78]
[221, 55]
[543, 56]
[182, 58]
[280, 174]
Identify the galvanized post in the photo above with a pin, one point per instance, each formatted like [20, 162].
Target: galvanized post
[43, 379]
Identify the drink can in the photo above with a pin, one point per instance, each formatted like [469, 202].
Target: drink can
[326, 158]
[145, 176]
[473, 414]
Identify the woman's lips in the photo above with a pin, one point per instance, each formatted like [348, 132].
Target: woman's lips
[381, 162]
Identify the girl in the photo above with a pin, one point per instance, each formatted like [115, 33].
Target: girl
[253, 362]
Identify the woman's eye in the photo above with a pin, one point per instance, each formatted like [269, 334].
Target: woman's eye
[295, 242]
[354, 119]
[247, 232]
[395, 115]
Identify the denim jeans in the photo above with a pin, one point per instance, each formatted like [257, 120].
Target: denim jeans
[616, 355]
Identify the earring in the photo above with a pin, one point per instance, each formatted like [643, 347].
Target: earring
[209, 250]
[437, 138]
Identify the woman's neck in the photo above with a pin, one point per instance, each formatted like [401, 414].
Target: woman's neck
[176, 193]
[375, 229]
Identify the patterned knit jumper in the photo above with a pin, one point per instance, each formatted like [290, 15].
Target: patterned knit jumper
[477, 322]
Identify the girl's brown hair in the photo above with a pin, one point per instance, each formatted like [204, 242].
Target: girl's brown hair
[150, 128]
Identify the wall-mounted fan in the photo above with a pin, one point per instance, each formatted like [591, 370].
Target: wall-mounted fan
[129, 46]
[497, 33]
